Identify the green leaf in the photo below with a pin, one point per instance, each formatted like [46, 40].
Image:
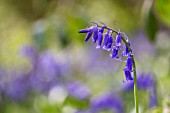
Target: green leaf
[162, 8]
[151, 26]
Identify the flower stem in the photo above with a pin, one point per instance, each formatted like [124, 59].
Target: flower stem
[135, 86]
[135, 78]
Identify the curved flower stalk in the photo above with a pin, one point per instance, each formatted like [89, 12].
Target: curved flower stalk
[108, 43]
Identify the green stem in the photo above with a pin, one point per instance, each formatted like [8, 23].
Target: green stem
[135, 78]
[135, 86]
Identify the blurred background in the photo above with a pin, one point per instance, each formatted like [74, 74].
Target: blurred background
[46, 67]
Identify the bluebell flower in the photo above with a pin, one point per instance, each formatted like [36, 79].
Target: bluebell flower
[114, 53]
[129, 63]
[106, 39]
[126, 52]
[78, 90]
[118, 39]
[95, 34]
[107, 101]
[89, 34]
[109, 44]
[100, 38]
[128, 74]
[86, 30]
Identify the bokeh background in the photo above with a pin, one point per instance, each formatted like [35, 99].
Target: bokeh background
[46, 67]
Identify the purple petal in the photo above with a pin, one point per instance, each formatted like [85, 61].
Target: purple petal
[118, 39]
[114, 53]
[126, 52]
[127, 74]
[106, 39]
[100, 39]
[95, 35]
[89, 34]
[129, 63]
[85, 30]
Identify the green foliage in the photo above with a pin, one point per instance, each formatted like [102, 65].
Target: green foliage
[162, 8]
[151, 26]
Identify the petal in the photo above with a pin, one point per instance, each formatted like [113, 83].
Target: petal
[95, 35]
[129, 63]
[106, 39]
[114, 53]
[118, 39]
[109, 45]
[100, 39]
[127, 74]
[101, 30]
[89, 34]
[85, 30]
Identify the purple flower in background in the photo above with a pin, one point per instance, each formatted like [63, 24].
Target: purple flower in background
[107, 101]
[79, 91]
[30, 52]
[145, 82]
[152, 97]
[17, 88]
[1, 81]
[46, 72]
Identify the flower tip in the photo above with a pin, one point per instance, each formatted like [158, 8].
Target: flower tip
[83, 31]
[98, 47]
[104, 47]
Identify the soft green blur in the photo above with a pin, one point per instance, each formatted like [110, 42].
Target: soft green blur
[59, 21]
